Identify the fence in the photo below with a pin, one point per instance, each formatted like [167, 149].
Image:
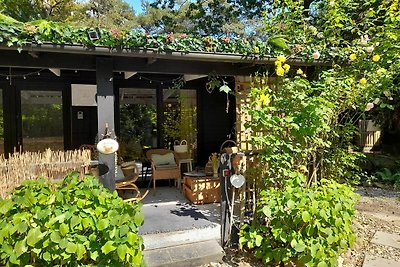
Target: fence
[52, 165]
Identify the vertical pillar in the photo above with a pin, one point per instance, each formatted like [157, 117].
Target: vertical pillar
[160, 116]
[11, 120]
[105, 115]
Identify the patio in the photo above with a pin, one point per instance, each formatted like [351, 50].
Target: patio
[178, 233]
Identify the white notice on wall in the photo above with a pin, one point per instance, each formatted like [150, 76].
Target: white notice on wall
[84, 94]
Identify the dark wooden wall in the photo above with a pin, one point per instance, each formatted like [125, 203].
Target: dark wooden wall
[213, 123]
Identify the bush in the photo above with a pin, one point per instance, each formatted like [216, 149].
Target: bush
[309, 226]
[71, 223]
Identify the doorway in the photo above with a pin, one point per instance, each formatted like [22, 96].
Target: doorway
[41, 120]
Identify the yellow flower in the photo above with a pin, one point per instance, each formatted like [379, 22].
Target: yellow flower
[280, 71]
[381, 71]
[264, 100]
[363, 81]
[256, 50]
[300, 72]
[376, 58]
[286, 67]
[281, 59]
[278, 64]
[353, 57]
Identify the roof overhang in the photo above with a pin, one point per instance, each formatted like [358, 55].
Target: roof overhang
[141, 60]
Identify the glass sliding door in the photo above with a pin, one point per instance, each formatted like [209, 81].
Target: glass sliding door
[180, 118]
[42, 120]
[138, 122]
[1, 123]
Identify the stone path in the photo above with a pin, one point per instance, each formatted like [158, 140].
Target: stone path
[383, 239]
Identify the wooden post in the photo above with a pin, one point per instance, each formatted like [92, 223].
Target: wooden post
[105, 115]
[160, 116]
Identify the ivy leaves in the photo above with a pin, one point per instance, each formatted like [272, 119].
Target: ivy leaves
[75, 221]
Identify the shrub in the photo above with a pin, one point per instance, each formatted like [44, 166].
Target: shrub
[71, 223]
[310, 226]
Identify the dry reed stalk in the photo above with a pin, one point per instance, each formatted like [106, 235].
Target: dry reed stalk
[52, 165]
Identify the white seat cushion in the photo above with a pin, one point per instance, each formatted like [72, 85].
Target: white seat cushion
[167, 159]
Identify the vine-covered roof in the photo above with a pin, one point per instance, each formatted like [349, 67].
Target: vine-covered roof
[19, 35]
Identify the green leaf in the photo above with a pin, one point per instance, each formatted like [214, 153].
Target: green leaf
[14, 259]
[5, 205]
[330, 239]
[46, 256]
[322, 264]
[22, 227]
[55, 237]
[103, 224]
[71, 248]
[108, 247]
[63, 243]
[300, 247]
[34, 236]
[121, 250]
[267, 211]
[20, 247]
[94, 255]
[278, 42]
[75, 220]
[80, 251]
[139, 218]
[132, 238]
[123, 230]
[306, 216]
[291, 204]
[259, 240]
[64, 229]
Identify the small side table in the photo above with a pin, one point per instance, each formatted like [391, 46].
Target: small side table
[188, 163]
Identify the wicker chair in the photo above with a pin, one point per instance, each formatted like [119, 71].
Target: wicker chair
[165, 171]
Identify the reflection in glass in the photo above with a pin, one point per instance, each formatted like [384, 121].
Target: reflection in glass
[138, 120]
[180, 117]
[42, 123]
[1, 123]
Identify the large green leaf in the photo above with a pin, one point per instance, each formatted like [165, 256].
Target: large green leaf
[20, 247]
[278, 42]
[80, 251]
[103, 224]
[34, 236]
[55, 237]
[108, 247]
[71, 247]
[305, 215]
[64, 229]
[121, 250]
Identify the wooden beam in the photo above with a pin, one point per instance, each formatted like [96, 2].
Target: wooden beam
[160, 116]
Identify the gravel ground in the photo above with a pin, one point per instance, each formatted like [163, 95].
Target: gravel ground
[378, 209]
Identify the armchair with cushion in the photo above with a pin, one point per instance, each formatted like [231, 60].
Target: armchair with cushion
[164, 165]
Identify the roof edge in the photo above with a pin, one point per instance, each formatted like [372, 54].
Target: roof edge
[155, 54]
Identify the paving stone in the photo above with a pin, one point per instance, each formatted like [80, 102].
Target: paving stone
[372, 261]
[386, 239]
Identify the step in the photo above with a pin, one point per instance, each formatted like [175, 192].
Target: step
[186, 255]
[171, 239]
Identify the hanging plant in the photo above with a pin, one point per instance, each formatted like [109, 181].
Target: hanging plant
[214, 81]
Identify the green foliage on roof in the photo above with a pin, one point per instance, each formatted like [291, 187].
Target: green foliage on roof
[14, 33]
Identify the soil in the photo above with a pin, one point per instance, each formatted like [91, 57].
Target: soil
[378, 210]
